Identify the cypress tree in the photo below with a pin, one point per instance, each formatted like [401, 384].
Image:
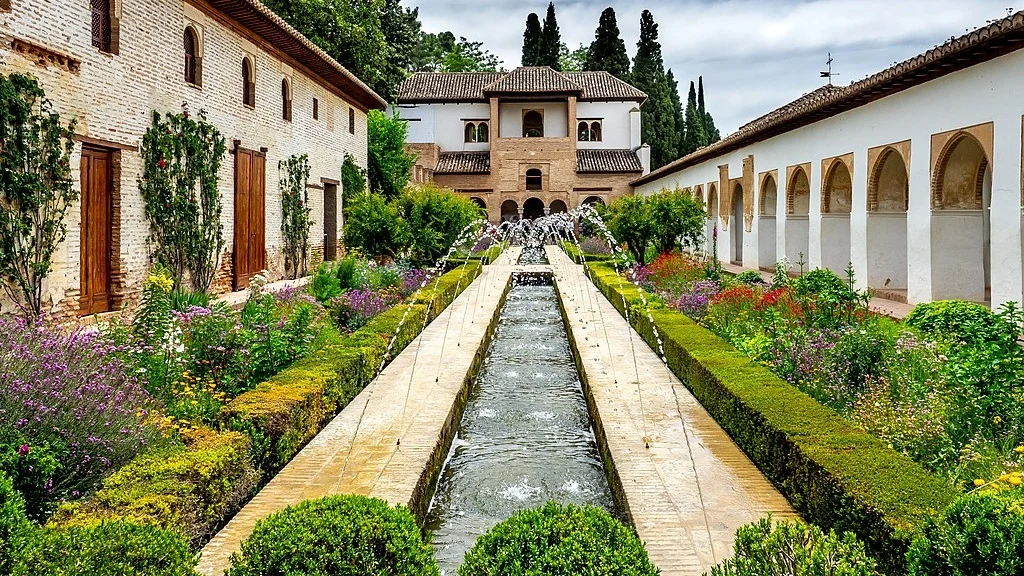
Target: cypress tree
[711, 134]
[657, 117]
[532, 40]
[677, 110]
[693, 137]
[608, 51]
[550, 41]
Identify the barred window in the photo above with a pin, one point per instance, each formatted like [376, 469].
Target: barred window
[286, 100]
[192, 59]
[102, 36]
[248, 83]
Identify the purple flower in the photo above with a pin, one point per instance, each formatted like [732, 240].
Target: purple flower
[23, 450]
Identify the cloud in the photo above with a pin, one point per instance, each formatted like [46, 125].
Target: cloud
[755, 55]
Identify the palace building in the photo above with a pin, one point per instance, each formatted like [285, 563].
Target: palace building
[528, 142]
[912, 175]
[110, 64]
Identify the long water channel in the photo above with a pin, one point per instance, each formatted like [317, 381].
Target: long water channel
[525, 436]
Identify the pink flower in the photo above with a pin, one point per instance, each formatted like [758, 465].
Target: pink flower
[23, 450]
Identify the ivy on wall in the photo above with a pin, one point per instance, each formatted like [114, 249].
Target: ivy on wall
[36, 188]
[295, 213]
[181, 159]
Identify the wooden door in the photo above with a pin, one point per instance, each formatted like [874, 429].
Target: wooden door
[249, 255]
[330, 222]
[97, 223]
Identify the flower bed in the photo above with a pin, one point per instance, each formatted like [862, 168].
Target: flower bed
[834, 472]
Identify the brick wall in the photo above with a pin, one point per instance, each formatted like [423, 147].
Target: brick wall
[112, 97]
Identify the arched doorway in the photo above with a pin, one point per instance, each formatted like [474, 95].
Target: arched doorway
[509, 211]
[712, 220]
[836, 204]
[736, 226]
[798, 205]
[479, 202]
[533, 209]
[557, 207]
[766, 240]
[961, 225]
[888, 199]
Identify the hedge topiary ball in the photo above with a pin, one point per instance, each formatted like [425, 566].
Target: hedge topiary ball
[557, 540]
[338, 535]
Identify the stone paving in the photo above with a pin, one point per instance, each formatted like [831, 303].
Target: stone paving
[686, 484]
[411, 400]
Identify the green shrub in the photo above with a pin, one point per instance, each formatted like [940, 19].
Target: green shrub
[966, 321]
[557, 540]
[750, 278]
[187, 489]
[436, 217]
[343, 534]
[822, 281]
[795, 549]
[15, 527]
[375, 227]
[325, 284]
[107, 549]
[978, 535]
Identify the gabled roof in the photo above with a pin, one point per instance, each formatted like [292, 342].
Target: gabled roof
[259, 19]
[463, 163]
[607, 161]
[450, 87]
[981, 45]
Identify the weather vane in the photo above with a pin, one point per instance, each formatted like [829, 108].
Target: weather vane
[829, 73]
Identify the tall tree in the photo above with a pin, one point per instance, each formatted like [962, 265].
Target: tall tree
[677, 110]
[608, 51]
[657, 117]
[443, 53]
[711, 134]
[573, 61]
[532, 40]
[550, 40]
[693, 137]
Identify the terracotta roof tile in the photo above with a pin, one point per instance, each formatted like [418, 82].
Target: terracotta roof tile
[607, 161]
[473, 86]
[981, 45]
[464, 163]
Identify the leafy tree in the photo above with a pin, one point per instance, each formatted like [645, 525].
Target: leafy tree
[353, 180]
[711, 134]
[678, 218]
[693, 137]
[389, 164]
[443, 53]
[573, 61]
[375, 226]
[657, 116]
[401, 29]
[181, 159]
[608, 51]
[532, 40]
[629, 220]
[550, 40]
[35, 188]
[436, 217]
[295, 212]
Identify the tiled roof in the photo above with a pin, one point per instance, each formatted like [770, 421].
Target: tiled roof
[984, 44]
[464, 163]
[607, 161]
[256, 17]
[473, 86]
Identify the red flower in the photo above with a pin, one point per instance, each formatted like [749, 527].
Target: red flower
[162, 163]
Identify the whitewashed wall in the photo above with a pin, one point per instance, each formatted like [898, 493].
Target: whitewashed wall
[615, 123]
[444, 124]
[556, 118]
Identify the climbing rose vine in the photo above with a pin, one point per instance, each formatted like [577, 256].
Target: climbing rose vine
[295, 221]
[35, 188]
[181, 158]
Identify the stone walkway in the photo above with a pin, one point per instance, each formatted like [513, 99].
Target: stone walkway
[690, 490]
[411, 400]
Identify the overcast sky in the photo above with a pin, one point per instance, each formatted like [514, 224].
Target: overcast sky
[755, 55]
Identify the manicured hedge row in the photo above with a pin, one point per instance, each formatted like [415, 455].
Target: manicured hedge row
[188, 489]
[835, 474]
[284, 413]
[574, 254]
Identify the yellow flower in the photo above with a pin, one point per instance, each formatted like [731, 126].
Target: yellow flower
[1015, 479]
[979, 482]
[1019, 449]
[997, 420]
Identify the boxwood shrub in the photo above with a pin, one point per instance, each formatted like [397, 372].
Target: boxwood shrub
[837, 475]
[978, 535]
[557, 540]
[106, 549]
[795, 549]
[343, 534]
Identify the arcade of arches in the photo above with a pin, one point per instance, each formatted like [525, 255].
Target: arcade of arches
[534, 207]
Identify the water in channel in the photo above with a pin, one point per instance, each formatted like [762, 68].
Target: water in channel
[525, 436]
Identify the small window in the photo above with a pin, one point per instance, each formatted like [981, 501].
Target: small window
[248, 83]
[595, 131]
[482, 132]
[476, 132]
[534, 179]
[351, 120]
[286, 100]
[583, 132]
[316, 109]
[5, 5]
[470, 132]
[193, 74]
[533, 124]
[104, 35]
[588, 131]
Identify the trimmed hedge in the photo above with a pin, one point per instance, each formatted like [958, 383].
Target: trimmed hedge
[557, 540]
[344, 534]
[284, 413]
[576, 255]
[189, 489]
[837, 475]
